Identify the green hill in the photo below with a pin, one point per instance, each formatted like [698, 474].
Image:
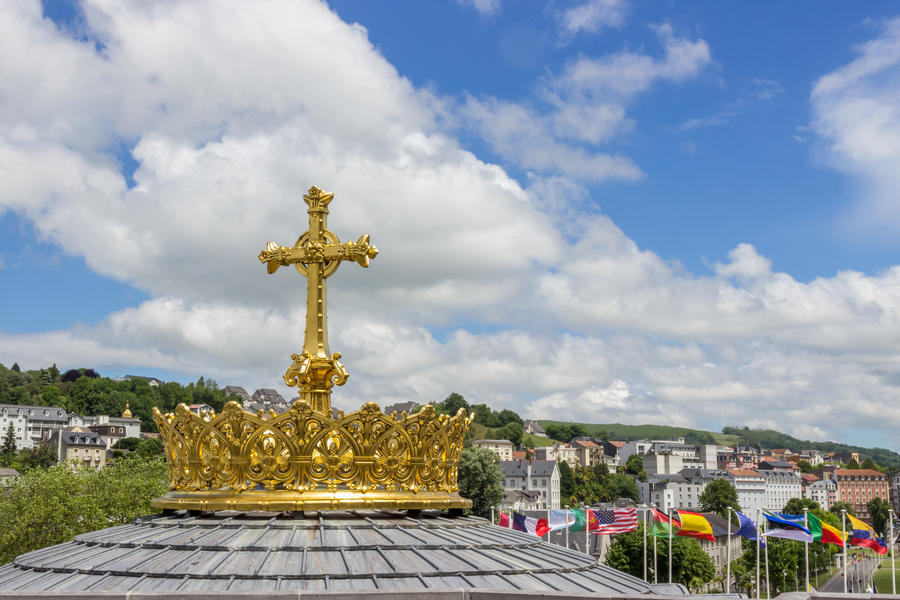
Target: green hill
[764, 438]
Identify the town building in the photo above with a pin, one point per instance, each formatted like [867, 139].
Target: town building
[520, 500]
[823, 491]
[241, 394]
[683, 456]
[750, 486]
[588, 451]
[131, 424]
[781, 486]
[8, 473]
[502, 448]
[200, 409]
[738, 457]
[677, 490]
[558, 453]
[32, 424]
[79, 447]
[538, 475]
[895, 492]
[858, 486]
[266, 399]
[534, 428]
[776, 465]
[401, 407]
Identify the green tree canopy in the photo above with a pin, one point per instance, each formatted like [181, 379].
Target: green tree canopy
[718, 496]
[635, 466]
[795, 506]
[50, 506]
[8, 449]
[852, 464]
[879, 509]
[150, 447]
[480, 479]
[840, 505]
[691, 566]
[129, 443]
[566, 483]
[564, 431]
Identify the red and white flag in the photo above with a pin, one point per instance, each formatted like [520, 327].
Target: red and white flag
[617, 520]
[538, 527]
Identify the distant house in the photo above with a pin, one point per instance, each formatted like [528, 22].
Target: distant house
[534, 428]
[502, 448]
[538, 475]
[81, 447]
[31, 423]
[266, 399]
[235, 390]
[520, 500]
[199, 409]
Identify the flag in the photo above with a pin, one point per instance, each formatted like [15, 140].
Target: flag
[694, 525]
[661, 524]
[748, 529]
[504, 520]
[578, 524]
[560, 519]
[582, 515]
[863, 535]
[617, 520]
[823, 532]
[530, 525]
[788, 527]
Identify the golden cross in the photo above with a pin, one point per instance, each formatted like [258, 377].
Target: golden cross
[317, 254]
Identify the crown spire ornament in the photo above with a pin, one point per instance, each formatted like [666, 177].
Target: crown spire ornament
[309, 458]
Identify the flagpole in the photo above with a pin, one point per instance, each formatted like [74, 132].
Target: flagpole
[806, 546]
[587, 532]
[844, 540]
[645, 543]
[893, 558]
[548, 526]
[728, 554]
[567, 526]
[758, 536]
[492, 515]
[670, 543]
[766, 553]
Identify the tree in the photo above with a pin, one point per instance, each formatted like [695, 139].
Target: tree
[16, 368]
[869, 464]
[718, 496]
[452, 404]
[804, 466]
[129, 443]
[8, 450]
[564, 431]
[841, 505]
[879, 509]
[54, 372]
[38, 456]
[150, 447]
[566, 482]
[691, 566]
[635, 466]
[852, 464]
[480, 479]
[795, 506]
[513, 432]
[507, 416]
[50, 506]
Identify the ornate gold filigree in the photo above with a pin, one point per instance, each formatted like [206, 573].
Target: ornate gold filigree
[305, 459]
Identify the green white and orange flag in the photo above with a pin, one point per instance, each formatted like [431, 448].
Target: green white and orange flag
[694, 525]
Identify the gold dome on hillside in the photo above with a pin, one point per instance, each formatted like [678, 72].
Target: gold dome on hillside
[126, 414]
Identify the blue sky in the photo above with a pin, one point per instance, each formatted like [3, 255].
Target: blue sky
[626, 211]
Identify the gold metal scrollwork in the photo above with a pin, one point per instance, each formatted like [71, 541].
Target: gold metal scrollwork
[304, 459]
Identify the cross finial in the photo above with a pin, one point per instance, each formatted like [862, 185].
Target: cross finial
[316, 255]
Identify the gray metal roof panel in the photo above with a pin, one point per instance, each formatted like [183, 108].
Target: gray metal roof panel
[318, 551]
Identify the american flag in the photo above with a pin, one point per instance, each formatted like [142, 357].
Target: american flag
[617, 520]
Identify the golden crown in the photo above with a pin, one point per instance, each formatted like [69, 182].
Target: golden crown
[307, 460]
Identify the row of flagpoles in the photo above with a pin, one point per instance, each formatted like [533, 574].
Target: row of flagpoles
[805, 528]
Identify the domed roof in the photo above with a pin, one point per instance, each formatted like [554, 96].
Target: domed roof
[126, 414]
[340, 550]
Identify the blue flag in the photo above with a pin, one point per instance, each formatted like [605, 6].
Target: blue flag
[788, 527]
[748, 529]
